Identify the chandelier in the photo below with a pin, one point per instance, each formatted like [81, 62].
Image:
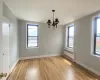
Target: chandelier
[54, 23]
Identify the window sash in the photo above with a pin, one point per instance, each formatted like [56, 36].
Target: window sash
[71, 40]
[69, 37]
[33, 41]
[95, 36]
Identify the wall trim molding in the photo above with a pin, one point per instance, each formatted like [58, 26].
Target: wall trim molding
[42, 56]
[14, 65]
[11, 69]
[89, 68]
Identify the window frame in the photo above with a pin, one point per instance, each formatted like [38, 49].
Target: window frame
[67, 37]
[32, 24]
[95, 34]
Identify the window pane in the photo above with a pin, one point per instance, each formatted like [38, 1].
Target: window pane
[32, 41]
[98, 27]
[71, 31]
[71, 41]
[32, 35]
[32, 38]
[98, 37]
[32, 30]
[97, 45]
[31, 44]
[70, 37]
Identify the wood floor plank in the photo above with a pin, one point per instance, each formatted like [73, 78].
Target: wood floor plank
[52, 68]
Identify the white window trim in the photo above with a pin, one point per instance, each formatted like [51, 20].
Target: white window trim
[92, 36]
[31, 47]
[68, 48]
[26, 37]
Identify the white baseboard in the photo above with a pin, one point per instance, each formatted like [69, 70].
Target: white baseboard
[89, 68]
[32, 57]
[14, 65]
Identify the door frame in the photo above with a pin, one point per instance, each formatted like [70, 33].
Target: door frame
[5, 20]
[1, 54]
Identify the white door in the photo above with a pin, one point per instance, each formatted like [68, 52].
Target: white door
[1, 56]
[5, 48]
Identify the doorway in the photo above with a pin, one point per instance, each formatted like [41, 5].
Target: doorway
[4, 50]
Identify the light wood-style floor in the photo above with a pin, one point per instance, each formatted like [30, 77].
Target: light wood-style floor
[52, 68]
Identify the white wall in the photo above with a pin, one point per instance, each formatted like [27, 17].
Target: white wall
[1, 56]
[50, 40]
[14, 54]
[1, 2]
[83, 52]
[83, 42]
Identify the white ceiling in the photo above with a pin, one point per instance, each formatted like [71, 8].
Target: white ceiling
[41, 10]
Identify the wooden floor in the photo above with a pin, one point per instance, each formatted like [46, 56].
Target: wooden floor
[53, 68]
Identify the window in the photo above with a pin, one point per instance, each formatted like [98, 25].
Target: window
[97, 36]
[32, 35]
[70, 36]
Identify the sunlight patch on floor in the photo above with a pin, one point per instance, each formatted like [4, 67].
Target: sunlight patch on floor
[67, 62]
[32, 74]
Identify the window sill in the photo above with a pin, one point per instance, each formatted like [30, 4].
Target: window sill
[69, 49]
[31, 47]
[95, 55]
